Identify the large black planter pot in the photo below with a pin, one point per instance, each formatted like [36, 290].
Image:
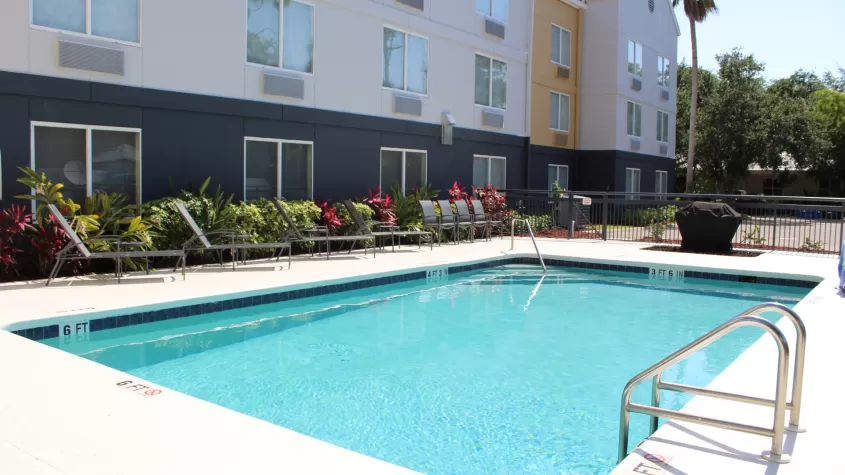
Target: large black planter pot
[707, 227]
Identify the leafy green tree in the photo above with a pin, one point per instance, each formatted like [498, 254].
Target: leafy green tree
[707, 84]
[696, 11]
[830, 107]
[835, 83]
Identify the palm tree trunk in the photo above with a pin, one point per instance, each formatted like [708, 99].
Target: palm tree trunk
[693, 111]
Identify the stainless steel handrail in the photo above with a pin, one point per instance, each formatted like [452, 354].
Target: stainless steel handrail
[794, 405]
[530, 233]
[776, 432]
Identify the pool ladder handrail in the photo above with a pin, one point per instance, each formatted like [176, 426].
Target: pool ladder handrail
[748, 318]
[530, 233]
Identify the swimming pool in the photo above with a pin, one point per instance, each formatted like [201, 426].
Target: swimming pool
[494, 371]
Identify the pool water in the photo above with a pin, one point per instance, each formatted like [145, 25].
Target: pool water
[487, 372]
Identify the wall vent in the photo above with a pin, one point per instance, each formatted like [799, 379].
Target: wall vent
[562, 72]
[91, 57]
[492, 119]
[664, 94]
[561, 138]
[494, 29]
[418, 4]
[651, 6]
[407, 105]
[285, 86]
[635, 145]
[664, 149]
[636, 84]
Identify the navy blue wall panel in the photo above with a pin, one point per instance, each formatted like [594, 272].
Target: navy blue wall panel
[542, 157]
[346, 162]
[14, 145]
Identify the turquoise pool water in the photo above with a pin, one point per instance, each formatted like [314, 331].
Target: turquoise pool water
[487, 372]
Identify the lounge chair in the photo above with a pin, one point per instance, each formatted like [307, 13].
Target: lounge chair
[431, 220]
[317, 234]
[447, 216]
[464, 217]
[392, 230]
[76, 249]
[237, 241]
[492, 222]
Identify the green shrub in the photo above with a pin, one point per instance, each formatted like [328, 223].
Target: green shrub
[349, 227]
[211, 213]
[538, 222]
[656, 220]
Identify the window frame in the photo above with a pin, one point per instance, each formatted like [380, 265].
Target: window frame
[639, 175]
[560, 63]
[634, 118]
[666, 64]
[405, 60]
[557, 175]
[280, 56]
[404, 157]
[88, 33]
[89, 182]
[569, 114]
[661, 182]
[490, 16]
[490, 168]
[660, 128]
[279, 143]
[628, 63]
[490, 97]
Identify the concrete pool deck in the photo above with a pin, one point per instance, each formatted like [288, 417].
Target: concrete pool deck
[61, 414]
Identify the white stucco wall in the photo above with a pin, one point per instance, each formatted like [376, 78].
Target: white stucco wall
[206, 55]
[606, 83]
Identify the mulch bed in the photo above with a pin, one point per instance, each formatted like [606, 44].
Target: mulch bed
[678, 249]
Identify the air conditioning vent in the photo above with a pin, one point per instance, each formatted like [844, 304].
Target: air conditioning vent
[492, 119]
[418, 4]
[664, 94]
[285, 86]
[407, 105]
[664, 149]
[635, 145]
[561, 138]
[563, 72]
[90, 57]
[494, 29]
[636, 84]
[651, 6]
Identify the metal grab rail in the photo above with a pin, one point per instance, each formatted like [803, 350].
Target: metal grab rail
[530, 233]
[776, 432]
[794, 405]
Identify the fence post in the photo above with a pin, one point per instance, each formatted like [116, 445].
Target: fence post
[604, 210]
[571, 216]
[842, 227]
[774, 230]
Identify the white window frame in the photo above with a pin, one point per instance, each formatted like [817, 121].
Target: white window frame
[490, 16]
[561, 63]
[405, 61]
[639, 183]
[635, 58]
[661, 182]
[507, 68]
[89, 185]
[279, 143]
[663, 64]
[281, 58]
[404, 154]
[88, 33]
[660, 127]
[634, 118]
[490, 169]
[557, 175]
[558, 111]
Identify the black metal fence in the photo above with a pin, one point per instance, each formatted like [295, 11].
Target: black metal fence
[773, 223]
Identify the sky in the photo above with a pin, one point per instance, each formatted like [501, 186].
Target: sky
[786, 35]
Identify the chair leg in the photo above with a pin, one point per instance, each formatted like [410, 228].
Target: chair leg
[54, 271]
[290, 255]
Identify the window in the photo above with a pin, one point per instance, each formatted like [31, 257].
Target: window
[662, 127]
[491, 82]
[663, 74]
[635, 119]
[405, 62]
[497, 9]
[632, 182]
[661, 182]
[294, 48]
[489, 171]
[278, 169]
[403, 168]
[88, 159]
[115, 19]
[559, 174]
[635, 58]
[561, 46]
[559, 112]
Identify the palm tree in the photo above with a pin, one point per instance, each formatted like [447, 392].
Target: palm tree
[696, 11]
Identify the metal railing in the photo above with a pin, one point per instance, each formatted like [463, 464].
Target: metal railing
[779, 223]
[530, 233]
[779, 404]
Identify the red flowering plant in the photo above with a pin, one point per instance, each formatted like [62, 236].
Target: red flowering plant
[382, 204]
[13, 223]
[457, 193]
[48, 238]
[495, 203]
[328, 216]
